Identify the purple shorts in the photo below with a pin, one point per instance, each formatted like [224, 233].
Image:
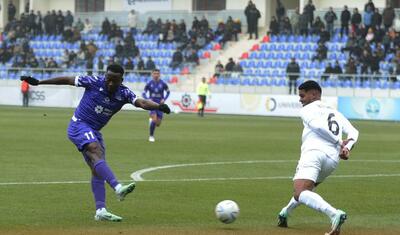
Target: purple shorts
[81, 134]
[157, 112]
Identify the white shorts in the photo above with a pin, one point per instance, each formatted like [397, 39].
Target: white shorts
[315, 166]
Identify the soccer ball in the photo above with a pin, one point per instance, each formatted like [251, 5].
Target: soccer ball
[227, 211]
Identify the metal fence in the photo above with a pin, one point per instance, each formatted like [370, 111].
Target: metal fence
[121, 17]
[335, 85]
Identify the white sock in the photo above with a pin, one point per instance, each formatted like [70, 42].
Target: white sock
[98, 210]
[117, 188]
[292, 205]
[317, 203]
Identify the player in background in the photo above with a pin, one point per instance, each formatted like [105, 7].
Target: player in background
[202, 92]
[104, 96]
[158, 92]
[322, 148]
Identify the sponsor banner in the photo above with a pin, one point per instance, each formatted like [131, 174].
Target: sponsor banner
[245, 104]
[222, 103]
[147, 5]
[370, 108]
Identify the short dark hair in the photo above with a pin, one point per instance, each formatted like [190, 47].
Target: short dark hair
[116, 68]
[155, 70]
[310, 85]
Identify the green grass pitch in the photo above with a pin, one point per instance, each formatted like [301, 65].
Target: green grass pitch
[181, 200]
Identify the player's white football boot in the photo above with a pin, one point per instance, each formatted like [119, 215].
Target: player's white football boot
[125, 190]
[337, 221]
[103, 215]
[152, 139]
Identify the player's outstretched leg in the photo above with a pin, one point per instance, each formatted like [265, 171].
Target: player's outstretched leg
[103, 215]
[284, 214]
[337, 222]
[124, 190]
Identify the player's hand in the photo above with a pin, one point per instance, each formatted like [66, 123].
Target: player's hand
[31, 80]
[164, 108]
[344, 153]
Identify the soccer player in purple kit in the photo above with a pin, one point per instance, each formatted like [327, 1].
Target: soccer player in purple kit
[156, 88]
[104, 96]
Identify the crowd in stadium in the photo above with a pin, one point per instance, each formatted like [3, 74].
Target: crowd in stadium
[371, 36]
[62, 26]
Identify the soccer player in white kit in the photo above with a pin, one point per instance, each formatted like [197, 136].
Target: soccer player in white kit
[322, 148]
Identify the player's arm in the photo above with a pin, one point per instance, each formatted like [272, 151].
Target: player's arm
[151, 105]
[320, 126]
[52, 81]
[146, 88]
[352, 137]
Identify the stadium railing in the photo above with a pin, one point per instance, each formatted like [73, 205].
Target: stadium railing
[234, 82]
[121, 17]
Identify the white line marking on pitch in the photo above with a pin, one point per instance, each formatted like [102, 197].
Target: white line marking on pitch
[137, 175]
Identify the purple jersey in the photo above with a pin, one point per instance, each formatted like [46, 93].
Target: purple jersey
[156, 90]
[96, 106]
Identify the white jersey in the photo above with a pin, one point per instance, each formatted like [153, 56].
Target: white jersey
[323, 129]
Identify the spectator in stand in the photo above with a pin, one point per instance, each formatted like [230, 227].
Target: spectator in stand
[31, 22]
[140, 67]
[376, 20]
[246, 10]
[355, 20]
[351, 68]
[367, 18]
[38, 23]
[119, 49]
[370, 36]
[388, 16]
[365, 61]
[294, 20]
[280, 11]
[394, 70]
[88, 27]
[68, 19]
[337, 69]
[195, 23]
[286, 26]
[303, 24]
[129, 66]
[100, 64]
[89, 66]
[309, 12]
[322, 52]
[91, 49]
[177, 59]
[238, 68]
[67, 34]
[273, 26]
[79, 25]
[219, 69]
[387, 41]
[105, 27]
[150, 26]
[345, 17]
[369, 4]
[293, 73]
[253, 14]
[132, 21]
[59, 23]
[150, 65]
[330, 18]
[324, 36]
[374, 63]
[318, 24]
[11, 10]
[230, 65]
[193, 58]
[350, 44]
[204, 23]
[328, 72]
